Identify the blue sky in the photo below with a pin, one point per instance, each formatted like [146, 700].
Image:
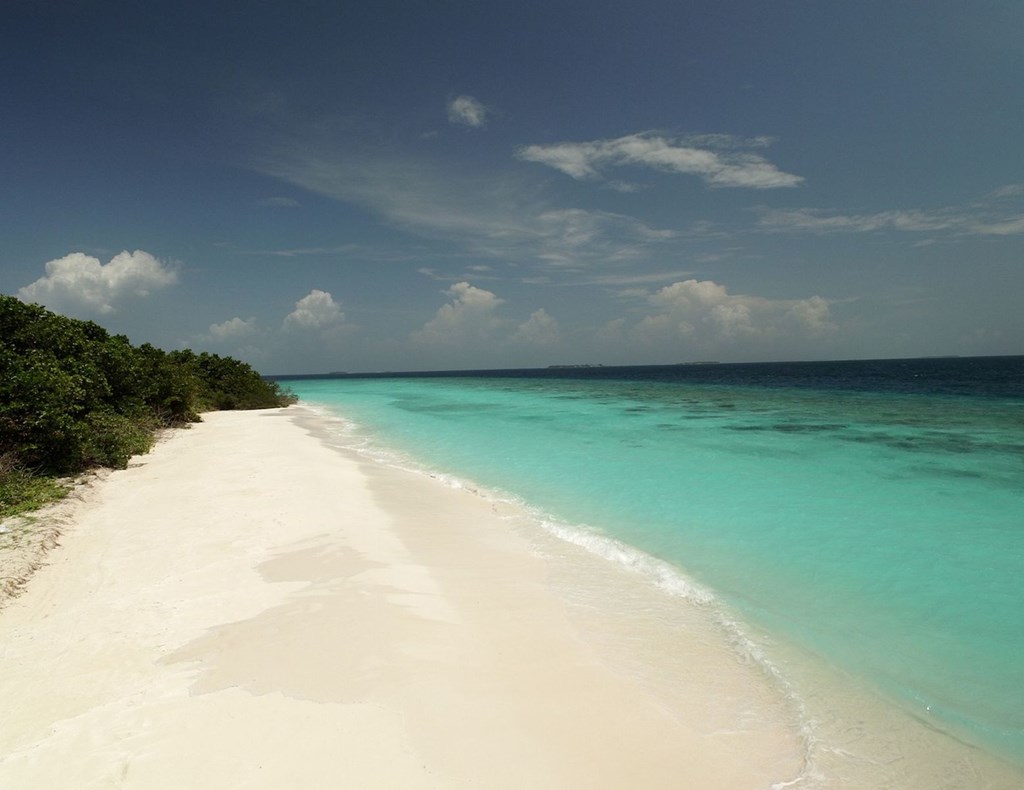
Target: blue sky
[316, 186]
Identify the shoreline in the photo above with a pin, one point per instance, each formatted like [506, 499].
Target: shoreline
[853, 735]
[287, 614]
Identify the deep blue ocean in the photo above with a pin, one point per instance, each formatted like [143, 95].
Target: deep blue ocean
[870, 512]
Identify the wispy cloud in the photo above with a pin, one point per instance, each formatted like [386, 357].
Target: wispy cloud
[972, 219]
[280, 202]
[382, 253]
[575, 237]
[496, 215]
[627, 187]
[474, 272]
[1010, 227]
[406, 192]
[1010, 190]
[638, 278]
[467, 111]
[719, 160]
[816, 221]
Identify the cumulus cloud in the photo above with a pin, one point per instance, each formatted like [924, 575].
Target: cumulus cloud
[467, 111]
[473, 297]
[469, 316]
[316, 310]
[812, 314]
[719, 160]
[81, 281]
[232, 329]
[469, 331]
[540, 329]
[704, 312]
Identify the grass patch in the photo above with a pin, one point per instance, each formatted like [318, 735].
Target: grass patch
[22, 491]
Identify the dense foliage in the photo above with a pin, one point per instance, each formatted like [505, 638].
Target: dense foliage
[74, 396]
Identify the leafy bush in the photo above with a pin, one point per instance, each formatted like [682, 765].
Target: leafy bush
[113, 438]
[231, 384]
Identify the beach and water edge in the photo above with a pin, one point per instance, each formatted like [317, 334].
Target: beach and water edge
[650, 616]
[258, 597]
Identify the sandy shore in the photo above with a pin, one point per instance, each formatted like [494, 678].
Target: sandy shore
[249, 607]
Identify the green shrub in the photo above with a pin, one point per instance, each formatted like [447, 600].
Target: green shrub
[113, 438]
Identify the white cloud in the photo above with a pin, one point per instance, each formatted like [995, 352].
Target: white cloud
[469, 316]
[688, 316]
[691, 303]
[812, 314]
[540, 329]
[81, 281]
[720, 160]
[705, 313]
[470, 296]
[468, 331]
[467, 111]
[316, 310]
[232, 329]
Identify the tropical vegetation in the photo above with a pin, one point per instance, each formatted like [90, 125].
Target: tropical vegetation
[74, 396]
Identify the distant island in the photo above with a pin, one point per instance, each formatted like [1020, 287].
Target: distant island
[601, 364]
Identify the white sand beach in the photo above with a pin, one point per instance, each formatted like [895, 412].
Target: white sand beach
[250, 607]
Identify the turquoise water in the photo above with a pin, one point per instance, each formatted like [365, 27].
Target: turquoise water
[881, 530]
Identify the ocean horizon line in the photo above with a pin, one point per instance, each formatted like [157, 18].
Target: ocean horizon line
[598, 366]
